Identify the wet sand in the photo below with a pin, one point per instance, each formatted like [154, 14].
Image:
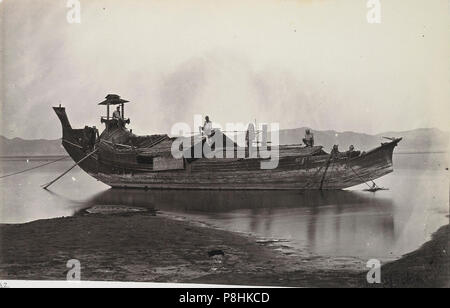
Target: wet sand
[139, 246]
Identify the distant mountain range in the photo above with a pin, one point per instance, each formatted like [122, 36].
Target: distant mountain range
[37, 147]
[417, 140]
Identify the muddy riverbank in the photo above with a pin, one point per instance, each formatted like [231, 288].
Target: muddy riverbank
[140, 246]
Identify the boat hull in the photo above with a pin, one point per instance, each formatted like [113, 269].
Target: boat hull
[291, 174]
[294, 172]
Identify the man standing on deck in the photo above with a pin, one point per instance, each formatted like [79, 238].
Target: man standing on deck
[207, 130]
[309, 138]
[94, 137]
[207, 127]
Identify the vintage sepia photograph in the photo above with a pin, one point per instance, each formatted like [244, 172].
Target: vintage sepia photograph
[200, 145]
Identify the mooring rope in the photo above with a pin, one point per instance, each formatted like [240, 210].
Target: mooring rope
[327, 165]
[71, 143]
[45, 186]
[362, 178]
[29, 169]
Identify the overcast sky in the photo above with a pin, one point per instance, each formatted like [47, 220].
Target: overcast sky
[314, 63]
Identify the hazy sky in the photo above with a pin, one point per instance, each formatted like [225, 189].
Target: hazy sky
[314, 63]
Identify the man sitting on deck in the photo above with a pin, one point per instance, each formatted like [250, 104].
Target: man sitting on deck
[309, 138]
[116, 113]
[352, 153]
[117, 116]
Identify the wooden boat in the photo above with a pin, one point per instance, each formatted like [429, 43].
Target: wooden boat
[121, 159]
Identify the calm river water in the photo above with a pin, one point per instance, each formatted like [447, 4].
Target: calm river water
[350, 223]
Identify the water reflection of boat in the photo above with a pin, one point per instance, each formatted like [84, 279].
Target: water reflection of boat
[224, 201]
[335, 222]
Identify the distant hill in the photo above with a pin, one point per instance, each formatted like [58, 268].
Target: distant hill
[38, 147]
[417, 140]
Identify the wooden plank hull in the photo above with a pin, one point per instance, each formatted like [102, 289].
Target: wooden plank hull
[295, 170]
[290, 174]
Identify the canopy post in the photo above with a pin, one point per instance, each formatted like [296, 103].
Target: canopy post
[107, 117]
[123, 111]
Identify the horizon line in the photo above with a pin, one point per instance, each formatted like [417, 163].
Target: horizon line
[284, 129]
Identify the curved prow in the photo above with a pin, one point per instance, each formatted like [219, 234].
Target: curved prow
[61, 113]
[78, 142]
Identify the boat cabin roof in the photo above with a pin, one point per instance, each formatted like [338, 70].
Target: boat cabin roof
[113, 99]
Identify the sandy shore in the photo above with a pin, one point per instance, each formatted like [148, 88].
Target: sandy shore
[144, 247]
[428, 266]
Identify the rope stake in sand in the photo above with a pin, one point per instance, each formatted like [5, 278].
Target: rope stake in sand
[29, 169]
[45, 186]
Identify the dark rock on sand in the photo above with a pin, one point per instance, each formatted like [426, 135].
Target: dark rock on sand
[217, 252]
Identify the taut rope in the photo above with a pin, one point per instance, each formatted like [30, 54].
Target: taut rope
[29, 169]
[45, 186]
[362, 178]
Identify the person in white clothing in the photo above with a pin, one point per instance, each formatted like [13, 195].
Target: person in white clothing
[207, 130]
[207, 127]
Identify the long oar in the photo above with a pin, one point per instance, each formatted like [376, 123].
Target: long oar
[45, 186]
